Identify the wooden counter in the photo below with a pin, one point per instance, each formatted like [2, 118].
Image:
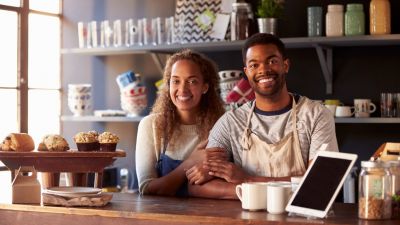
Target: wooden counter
[134, 209]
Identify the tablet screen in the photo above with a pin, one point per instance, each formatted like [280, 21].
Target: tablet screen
[321, 183]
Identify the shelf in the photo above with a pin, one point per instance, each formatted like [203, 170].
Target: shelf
[322, 45]
[296, 42]
[377, 120]
[101, 119]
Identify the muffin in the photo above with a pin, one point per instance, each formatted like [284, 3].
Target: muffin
[108, 142]
[53, 143]
[19, 142]
[87, 141]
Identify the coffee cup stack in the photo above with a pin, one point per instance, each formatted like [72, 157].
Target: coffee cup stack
[227, 81]
[80, 99]
[133, 93]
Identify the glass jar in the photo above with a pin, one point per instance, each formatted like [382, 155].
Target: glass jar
[241, 21]
[374, 191]
[395, 171]
[334, 20]
[354, 20]
[379, 17]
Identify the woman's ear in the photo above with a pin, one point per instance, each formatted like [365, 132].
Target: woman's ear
[205, 89]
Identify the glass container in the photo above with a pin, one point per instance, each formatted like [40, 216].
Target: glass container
[374, 191]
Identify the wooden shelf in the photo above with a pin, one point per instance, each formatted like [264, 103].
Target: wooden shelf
[101, 119]
[377, 120]
[295, 42]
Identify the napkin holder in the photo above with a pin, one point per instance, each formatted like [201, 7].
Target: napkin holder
[26, 187]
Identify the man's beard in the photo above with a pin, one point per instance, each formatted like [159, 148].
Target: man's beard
[277, 87]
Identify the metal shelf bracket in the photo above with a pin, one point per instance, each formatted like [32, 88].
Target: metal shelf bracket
[325, 60]
[160, 64]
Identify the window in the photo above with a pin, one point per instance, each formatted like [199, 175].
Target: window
[30, 86]
[30, 51]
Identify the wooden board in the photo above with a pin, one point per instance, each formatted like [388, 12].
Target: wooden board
[69, 161]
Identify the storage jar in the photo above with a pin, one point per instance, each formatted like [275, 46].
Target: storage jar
[379, 17]
[241, 21]
[374, 191]
[395, 171]
[354, 20]
[334, 20]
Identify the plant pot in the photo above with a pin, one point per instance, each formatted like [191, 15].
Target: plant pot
[267, 25]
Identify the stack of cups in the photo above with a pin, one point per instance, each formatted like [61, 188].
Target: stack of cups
[133, 93]
[227, 81]
[80, 99]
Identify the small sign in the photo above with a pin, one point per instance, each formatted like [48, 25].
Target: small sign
[220, 26]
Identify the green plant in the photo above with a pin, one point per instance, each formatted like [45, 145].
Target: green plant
[270, 8]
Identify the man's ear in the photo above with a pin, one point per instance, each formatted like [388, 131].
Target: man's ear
[286, 64]
[245, 73]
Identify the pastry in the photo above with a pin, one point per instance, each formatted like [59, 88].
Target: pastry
[19, 142]
[87, 141]
[53, 143]
[108, 142]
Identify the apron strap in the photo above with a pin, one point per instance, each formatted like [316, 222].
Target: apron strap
[245, 140]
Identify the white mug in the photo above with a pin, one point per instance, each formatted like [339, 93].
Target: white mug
[344, 111]
[363, 107]
[278, 195]
[253, 195]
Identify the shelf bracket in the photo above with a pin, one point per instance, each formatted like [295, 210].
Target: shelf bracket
[160, 64]
[325, 60]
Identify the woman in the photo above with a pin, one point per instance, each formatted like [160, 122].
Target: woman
[183, 114]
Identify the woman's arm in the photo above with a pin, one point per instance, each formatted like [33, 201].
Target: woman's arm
[216, 188]
[149, 182]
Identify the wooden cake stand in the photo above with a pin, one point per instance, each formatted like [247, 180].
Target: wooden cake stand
[52, 163]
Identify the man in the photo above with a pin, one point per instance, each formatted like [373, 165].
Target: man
[271, 138]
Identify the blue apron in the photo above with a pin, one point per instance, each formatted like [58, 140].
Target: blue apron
[165, 165]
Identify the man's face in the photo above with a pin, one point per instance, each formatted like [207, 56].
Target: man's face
[266, 69]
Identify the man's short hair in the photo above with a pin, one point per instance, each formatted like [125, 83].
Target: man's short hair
[263, 39]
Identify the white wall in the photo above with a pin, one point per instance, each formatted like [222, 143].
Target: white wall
[102, 71]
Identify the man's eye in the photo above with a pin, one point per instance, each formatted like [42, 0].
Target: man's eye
[273, 61]
[253, 66]
[174, 81]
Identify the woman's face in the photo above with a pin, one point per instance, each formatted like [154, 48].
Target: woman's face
[186, 86]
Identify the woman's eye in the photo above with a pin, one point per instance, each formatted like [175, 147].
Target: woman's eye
[174, 81]
[192, 81]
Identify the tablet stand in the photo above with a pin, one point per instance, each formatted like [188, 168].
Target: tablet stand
[329, 214]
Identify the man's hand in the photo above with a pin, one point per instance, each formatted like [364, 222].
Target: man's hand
[226, 170]
[197, 174]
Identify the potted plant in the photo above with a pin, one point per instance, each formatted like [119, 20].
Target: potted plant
[268, 12]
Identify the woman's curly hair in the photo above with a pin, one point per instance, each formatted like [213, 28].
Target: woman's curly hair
[211, 106]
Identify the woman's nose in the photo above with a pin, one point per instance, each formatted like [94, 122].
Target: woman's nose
[183, 86]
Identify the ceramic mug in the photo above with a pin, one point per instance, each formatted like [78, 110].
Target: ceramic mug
[363, 107]
[344, 111]
[278, 195]
[253, 195]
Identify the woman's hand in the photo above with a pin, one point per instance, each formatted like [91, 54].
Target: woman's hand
[197, 174]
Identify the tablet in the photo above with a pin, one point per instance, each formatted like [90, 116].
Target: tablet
[321, 183]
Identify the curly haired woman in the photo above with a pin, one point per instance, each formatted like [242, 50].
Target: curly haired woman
[170, 139]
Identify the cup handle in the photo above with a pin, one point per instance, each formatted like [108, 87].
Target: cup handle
[373, 107]
[352, 110]
[239, 191]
